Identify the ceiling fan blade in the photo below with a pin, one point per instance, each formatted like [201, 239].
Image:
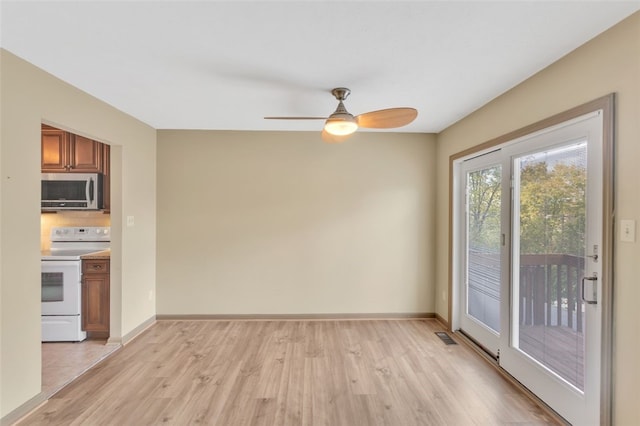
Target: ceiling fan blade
[295, 118]
[329, 138]
[387, 118]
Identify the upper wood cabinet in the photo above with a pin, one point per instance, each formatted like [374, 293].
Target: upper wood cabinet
[85, 155]
[55, 150]
[66, 152]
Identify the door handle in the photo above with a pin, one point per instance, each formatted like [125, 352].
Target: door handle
[594, 277]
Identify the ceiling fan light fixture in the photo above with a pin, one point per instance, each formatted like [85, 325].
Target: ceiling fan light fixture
[341, 125]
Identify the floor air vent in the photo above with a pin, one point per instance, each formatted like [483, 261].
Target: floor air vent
[445, 338]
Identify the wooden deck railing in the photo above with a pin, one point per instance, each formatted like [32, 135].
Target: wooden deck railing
[550, 290]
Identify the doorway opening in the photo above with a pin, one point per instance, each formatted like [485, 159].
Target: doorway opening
[66, 154]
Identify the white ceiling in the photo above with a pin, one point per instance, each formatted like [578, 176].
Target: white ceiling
[226, 65]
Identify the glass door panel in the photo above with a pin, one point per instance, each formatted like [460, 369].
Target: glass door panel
[554, 345]
[551, 225]
[484, 254]
[483, 246]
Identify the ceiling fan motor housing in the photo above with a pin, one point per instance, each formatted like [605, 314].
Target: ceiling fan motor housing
[341, 93]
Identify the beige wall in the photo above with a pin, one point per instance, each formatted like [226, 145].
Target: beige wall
[609, 63]
[282, 223]
[29, 97]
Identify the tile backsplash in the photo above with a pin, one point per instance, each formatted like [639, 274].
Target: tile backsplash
[69, 218]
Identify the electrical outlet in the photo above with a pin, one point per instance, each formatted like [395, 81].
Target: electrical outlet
[628, 231]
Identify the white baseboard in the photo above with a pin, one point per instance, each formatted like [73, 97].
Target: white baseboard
[24, 410]
[294, 317]
[127, 338]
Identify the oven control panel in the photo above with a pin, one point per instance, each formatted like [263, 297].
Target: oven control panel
[78, 233]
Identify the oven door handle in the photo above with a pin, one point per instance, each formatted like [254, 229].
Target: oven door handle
[52, 261]
[49, 265]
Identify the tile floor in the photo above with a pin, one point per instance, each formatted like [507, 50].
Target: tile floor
[64, 362]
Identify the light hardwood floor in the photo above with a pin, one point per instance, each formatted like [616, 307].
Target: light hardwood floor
[379, 372]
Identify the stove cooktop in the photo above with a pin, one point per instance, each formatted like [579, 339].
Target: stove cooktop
[68, 254]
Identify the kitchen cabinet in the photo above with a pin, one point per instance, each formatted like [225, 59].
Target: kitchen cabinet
[65, 152]
[55, 147]
[95, 297]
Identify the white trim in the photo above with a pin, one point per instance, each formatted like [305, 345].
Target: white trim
[24, 410]
[297, 317]
[130, 336]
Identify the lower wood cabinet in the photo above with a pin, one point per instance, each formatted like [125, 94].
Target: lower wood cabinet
[95, 297]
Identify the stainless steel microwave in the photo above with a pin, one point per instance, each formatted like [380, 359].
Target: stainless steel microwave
[71, 191]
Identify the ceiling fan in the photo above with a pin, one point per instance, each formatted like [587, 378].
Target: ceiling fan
[341, 124]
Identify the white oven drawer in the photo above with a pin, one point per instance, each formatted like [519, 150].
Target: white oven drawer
[62, 329]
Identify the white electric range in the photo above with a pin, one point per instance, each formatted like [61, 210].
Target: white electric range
[61, 280]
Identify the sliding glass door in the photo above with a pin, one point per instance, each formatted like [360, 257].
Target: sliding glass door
[530, 234]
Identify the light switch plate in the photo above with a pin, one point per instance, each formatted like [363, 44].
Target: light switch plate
[131, 221]
[628, 231]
